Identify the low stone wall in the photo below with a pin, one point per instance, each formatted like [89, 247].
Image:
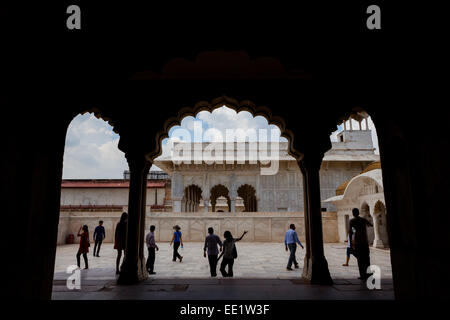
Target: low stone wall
[261, 226]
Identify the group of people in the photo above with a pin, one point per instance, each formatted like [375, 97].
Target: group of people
[210, 249]
[358, 245]
[99, 235]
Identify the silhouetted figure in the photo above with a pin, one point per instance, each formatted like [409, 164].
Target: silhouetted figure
[151, 246]
[120, 238]
[349, 250]
[211, 243]
[84, 246]
[177, 240]
[290, 241]
[99, 235]
[229, 253]
[360, 243]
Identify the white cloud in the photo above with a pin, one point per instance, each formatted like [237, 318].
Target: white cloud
[91, 150]
[223, 119]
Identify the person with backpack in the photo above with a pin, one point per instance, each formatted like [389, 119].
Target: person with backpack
[229, 253]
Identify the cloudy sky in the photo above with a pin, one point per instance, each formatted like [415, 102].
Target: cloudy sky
[91, 146]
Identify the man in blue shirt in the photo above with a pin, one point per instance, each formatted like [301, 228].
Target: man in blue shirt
[290, 241]
[99, 235]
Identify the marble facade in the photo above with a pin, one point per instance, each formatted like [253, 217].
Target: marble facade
[365, 192]
[261, 226]
[183, 195]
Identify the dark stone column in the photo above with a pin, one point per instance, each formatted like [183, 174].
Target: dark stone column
[31, 184]
[307, 262]
[133, 267]
[416, 181]
[315, 263]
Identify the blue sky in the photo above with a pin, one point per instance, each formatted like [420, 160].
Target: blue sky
[91, 146]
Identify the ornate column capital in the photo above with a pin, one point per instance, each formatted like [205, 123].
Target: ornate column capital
[311, 162]
[138, 162]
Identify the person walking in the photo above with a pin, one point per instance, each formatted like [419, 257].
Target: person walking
[99, 235]
[290, 243]
[349, 250]
[360, 243]
[229, 253]
[211, 243]
[177, 240]
[151, 246]
[120, 238]
[84, 246]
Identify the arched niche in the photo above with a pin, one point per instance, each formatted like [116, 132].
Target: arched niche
[365, 213]
[380, 215]
[248, 194]
[217, 192]
[191, 198]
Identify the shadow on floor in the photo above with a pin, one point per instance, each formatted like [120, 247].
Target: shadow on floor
[94, 287]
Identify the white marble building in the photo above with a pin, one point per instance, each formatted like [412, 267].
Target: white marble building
[364, 191]
[197, 184]
[228, 196]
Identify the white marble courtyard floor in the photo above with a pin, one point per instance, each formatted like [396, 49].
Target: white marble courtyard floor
[259, 272]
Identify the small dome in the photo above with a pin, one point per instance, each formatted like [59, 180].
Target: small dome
[340, 190]
[372, 166]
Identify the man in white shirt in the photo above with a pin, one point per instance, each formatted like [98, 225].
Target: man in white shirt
[151, 245]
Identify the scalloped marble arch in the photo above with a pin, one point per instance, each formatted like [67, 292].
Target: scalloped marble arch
[248, 186]
[245, 105]
[99, 114]
[196, 186]
[356, 113]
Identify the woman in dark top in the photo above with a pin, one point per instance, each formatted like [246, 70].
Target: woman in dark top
[177, 240]
[84, 245]
[229, 253]
[120, 238]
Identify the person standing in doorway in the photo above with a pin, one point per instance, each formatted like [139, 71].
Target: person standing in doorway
[211, 243]
[151, 245]
[99, 235]
[360, 242]
[84, 246]
[229, 253]
[177, 240]
[120, 238]
[290, 243]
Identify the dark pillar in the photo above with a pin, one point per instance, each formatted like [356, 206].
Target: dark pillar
[416, 181]
[307, 262]
[315, 263]
[133, 267]
[31, 184]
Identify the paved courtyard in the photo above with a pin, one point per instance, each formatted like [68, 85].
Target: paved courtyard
[255, 260]
[260, 274]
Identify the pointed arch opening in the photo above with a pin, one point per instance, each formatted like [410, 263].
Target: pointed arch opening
[192, 198]
[220, 199]
[248, 194]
